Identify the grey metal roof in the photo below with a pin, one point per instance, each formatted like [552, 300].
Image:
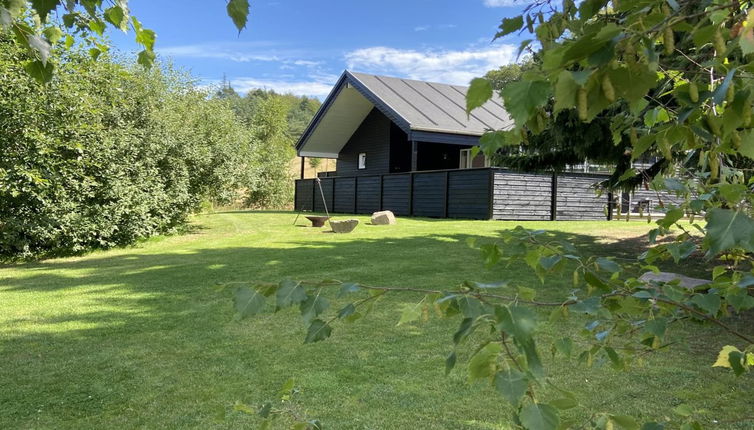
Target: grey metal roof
[426, 111]
[435, 107]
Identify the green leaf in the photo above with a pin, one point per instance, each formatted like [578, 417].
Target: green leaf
[625, 422]
[117, 16]
[549, 262]
[146, 38]
[248, 302]
[565, 92]
[565, 346]
[466, 327]
[747, 144]
[653, 426]
[683, 410]
[709, 302]
[484, 363]
[53, 34]
[509, 25]
[480, 91]
[539, 416]
[450, 363]
[588, 306]
[565, 403]
[146, 58]
[728, 229]
[238, 11]
[470, 307]
[43, 8]
[348, 310]
[671, 217]
[289, 293]
[97, 26]
[608, 265]
[512, 385]
[313, 306]
[411, 312]
[524, 97]
[318, 331]
[348, 288]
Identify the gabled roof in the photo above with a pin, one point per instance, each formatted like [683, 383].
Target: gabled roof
[426, 111]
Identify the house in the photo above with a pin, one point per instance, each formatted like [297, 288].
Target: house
[405, 145]
[379, 125]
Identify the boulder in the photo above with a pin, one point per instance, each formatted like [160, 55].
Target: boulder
[383, 218]
[343, 226]
[661, 277]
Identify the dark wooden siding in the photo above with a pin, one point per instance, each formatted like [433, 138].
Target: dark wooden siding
[373, 138]
[429, 194]
[367, 194]
[344, 195]
[464, 194]
[304, 194]
[578, 199]
[327, 190]
[395, 193]
[521, 196]
[469, 194]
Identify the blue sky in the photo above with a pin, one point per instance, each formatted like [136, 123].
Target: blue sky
[302, 46]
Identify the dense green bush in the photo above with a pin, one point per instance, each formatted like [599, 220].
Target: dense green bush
[107, 154]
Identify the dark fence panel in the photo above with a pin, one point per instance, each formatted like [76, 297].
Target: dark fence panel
[344, 199]
[367, 194]
[473, 193]
[469, 194]
[303, 201]
[577, 198]
[395, 193]
[429, 194]
[327, 190]
[521, 196]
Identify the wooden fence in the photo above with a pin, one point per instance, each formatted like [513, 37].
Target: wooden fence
[483, 193]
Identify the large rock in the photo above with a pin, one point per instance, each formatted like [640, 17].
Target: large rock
[343, 226]
[383, 218]
[662, 277]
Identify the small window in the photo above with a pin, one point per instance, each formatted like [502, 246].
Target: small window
[362, 160]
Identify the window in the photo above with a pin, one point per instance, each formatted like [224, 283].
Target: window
[362, 160]
[466, 162]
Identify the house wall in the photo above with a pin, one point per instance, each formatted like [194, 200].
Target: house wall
[373, 138]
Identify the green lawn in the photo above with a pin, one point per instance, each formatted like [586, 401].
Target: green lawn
[141, 337]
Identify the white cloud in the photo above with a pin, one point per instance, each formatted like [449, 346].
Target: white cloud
[315, 88]
[421, 28]
[507, 3]
[447, 66]
[238, 52]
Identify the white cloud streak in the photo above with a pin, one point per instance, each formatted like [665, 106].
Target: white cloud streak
[313, 88]
[447, 66]
[507, 3]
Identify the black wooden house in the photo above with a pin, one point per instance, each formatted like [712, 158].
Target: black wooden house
[405, 145]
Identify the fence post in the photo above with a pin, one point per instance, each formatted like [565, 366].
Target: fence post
[554, 197]
[382, 178]
[610, 206]
[314, 193]
[356, 194]
[411, 194]
[447, 192]
[491, 197]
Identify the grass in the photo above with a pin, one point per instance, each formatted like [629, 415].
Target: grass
[141, 337]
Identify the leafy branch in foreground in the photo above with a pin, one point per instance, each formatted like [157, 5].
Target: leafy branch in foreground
[43, 26]
[624, 320]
